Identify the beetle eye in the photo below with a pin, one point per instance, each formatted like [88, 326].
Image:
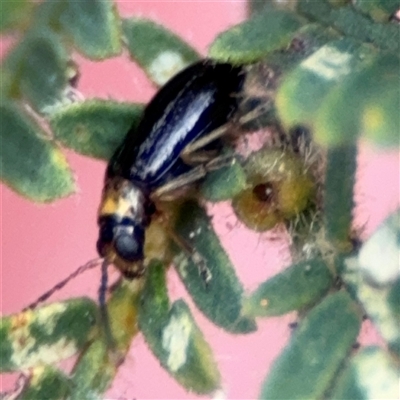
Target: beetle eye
[128, 247]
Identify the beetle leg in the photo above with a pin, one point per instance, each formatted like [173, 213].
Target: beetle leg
[198, 157]
[220, 132]
[166, 192]
[169, 191]
[205, 140]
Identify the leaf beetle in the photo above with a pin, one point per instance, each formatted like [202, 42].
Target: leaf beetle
[193, 104]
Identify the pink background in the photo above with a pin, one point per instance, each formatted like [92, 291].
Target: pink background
[41, 244]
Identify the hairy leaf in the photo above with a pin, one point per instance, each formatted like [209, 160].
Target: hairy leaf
[93, 26]
[367, 103]
[353, 24]
[370, 374]
[46, 335]
[174, 337]
[316, 351]
[220, 299]
[303, 91]
[29, 163]
[338, 197]
[255, 38]
[296, 288]
[95, 127]
[45, 382]
[38, 68]
[224, 183]
[161, 53]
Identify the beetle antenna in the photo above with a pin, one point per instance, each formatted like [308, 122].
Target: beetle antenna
[104, 320]
[89, 265]
[103, 284]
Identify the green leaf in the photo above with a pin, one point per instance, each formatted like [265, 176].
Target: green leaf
[46, 335]
[298, 287]
[93, 26]
[380, 120]
[303, 91]
[93, 372]
[379, 10]
[174, 337]
[29, 163]
[224, 183]
[190, 357]
[256, 6]
[98, 364]
[378, 304]
[371, 374]
[341, 163]
[367, 102]
[374, 277]
[154, 303]
[220, 299]
[47, 15]
[351, 23]
[382, 268]
[46, 382]
[6, 83]
[15, 14]
[394, 299]
[316, 351]
[380, 124]
[253, 39]
[306, 41]
[123, 313]
[157, 50]
[95, 127]
[39, 66]
[384, 36]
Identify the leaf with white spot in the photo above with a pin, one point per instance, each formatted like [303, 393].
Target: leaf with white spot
[46, 335]
[31, 164]
[190, 358]
[38, 67]
[161, 53]
[174, 337]
[371, 374]
[382, 267]
[381, 305]
[45, 382]
[366, 103]
[303, 90]
[374, 277]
